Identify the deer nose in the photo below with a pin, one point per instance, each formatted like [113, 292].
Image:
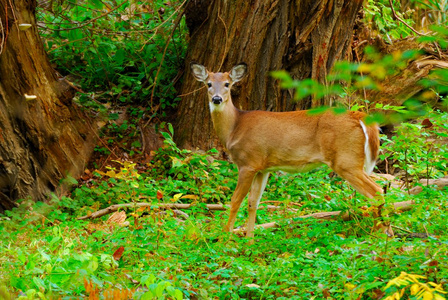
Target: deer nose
[217, 100]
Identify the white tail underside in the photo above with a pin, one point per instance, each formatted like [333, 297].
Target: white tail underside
[369, 163]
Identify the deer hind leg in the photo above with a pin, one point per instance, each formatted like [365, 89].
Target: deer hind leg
[258, 186]
[245, 178]
[362, 183]
[366, 186]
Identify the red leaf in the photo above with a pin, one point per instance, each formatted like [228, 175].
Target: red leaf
[433, 263]
[118, 253]
[426, 123]
[159, 195]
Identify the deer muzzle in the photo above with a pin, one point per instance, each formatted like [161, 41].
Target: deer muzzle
[216, 100]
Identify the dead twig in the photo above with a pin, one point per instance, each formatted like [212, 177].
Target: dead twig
[394, 13]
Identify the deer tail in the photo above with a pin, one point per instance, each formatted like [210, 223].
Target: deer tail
[371, 146]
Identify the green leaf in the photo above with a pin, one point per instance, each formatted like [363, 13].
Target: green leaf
[166, 135]
[97, 4]
[286, 81]
[375, 118]
[39, 283]
[317, 111]
[339, 110]
[178, 294]
[119, 57]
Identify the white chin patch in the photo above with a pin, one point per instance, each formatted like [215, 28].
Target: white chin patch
[216, 107]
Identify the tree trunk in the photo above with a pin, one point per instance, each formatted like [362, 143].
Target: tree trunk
[304, 37]
[43, 137]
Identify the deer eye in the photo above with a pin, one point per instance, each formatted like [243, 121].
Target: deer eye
[209, 84]
[226, 84]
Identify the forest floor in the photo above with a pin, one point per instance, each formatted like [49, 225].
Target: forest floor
[148, 252]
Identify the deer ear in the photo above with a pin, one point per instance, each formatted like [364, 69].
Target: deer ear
[199, 71]
[238, 72]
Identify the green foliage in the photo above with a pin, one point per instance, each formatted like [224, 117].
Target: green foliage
[419, 148]
[116, 49]
[159, 290]
[193, 172]
[349, 78]
[47, 253]
[306, 87]
[379, 15]
[173, 175]
[421, 15]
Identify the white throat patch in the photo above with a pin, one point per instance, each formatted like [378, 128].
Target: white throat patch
[214, 107]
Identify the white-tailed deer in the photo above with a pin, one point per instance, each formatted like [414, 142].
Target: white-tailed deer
[260, 142]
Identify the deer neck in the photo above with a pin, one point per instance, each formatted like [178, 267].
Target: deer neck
[224, 120]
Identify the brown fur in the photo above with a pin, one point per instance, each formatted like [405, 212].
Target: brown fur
[260, 142]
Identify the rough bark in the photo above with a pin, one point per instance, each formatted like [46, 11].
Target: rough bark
[42, 140]
[304, 37]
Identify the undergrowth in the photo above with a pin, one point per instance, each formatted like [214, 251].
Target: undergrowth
[120, 52]
[114, 50]
[48, 253]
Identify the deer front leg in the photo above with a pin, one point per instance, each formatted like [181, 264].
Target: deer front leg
[258, 186]
[245, 178]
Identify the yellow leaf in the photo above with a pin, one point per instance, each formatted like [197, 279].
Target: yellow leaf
[364, 68]
[415, 277]
[438, 297]
[397, 281]
[415, 289]
[401, 293]
[285, 255]
[428, 95]
[177, 197]
[437, 287]
[379, 72]
[394, 296]
[349, 286]
[111, 174]
[427, 296]
[396, 55]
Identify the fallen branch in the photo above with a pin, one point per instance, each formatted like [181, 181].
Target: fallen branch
[398, 206]
[174, 206]
[116, 207]
[440, 184]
